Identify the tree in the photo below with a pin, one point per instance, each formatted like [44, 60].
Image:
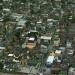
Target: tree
[1, 65]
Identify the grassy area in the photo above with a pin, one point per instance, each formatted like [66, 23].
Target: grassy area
[63, 73]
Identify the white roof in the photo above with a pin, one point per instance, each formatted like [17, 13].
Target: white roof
[10, 55]
[71, 69]
[21, 22]
[59, 61]
[57, 30]
[19, 27]
[32, 31]
[32, 39]
[15, 60]
[5, 0]
[46, 37]
[39, 22]
[41, 73]
[5, 9]
[49, 19]
[57, 0]
[17, 15]
[2, 47]
[50, 59]
[68, 44]
[45, 2]
[70, 52]
[58, 51]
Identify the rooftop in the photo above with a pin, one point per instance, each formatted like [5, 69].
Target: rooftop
[46, 37]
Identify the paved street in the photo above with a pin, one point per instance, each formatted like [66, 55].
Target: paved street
[10, 74]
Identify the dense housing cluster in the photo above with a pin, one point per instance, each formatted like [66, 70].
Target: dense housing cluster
[37, 37]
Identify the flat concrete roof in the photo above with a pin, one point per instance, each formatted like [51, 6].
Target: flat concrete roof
[46, 37]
